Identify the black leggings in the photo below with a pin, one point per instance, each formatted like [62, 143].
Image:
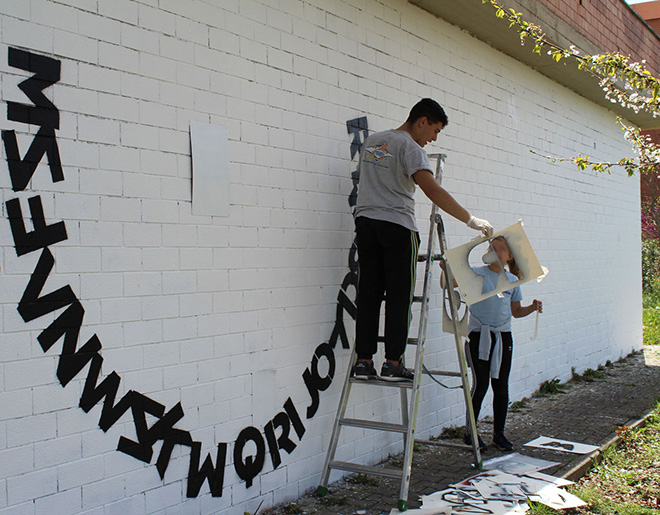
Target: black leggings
[481, 378]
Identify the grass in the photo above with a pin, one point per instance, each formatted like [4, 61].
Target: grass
[626, 481]
[550, 387]
[362, 479]
[519, 405]
[537, 508]
[589, 375]
[395, 460]
[452, 432]
[651, 313]
[651, 325]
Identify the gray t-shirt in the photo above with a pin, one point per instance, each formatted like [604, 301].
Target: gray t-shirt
[386, 189]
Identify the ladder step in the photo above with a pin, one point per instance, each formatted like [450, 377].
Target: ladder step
[372, 424]
[411, 341]
[366, 469]
[380, 382]
[421, 258]
[442, 373]
[439, 443]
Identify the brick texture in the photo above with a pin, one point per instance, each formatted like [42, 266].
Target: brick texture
[612, 26]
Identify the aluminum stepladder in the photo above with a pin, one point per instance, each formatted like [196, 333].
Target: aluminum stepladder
[408, 408]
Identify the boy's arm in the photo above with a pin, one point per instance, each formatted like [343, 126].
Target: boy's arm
[519, 311]
[443, 199]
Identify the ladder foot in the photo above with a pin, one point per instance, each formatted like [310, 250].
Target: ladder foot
[322, 491]
[402, 505]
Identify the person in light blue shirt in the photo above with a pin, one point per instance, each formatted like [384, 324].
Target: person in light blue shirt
[490, 344]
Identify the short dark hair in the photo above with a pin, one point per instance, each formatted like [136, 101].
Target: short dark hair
[431, 109]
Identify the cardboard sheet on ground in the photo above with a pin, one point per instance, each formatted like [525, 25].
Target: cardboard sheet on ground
[468, 500]
[497, 493]
[516, 463]
[558, 499]
[470, 284]
[556, 444]
[490, 475]
[557, 481]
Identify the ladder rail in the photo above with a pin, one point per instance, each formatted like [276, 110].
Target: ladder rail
[341, 410]
[409, 441]
[465, 382]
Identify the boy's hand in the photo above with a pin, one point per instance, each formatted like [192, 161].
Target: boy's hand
[480, 225]
[537, 305]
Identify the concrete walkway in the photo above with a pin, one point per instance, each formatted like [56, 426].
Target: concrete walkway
[587, 412]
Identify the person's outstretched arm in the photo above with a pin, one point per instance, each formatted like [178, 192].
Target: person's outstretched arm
[443, 199]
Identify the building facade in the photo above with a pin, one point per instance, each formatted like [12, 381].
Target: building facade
[177, 276]
[650, 12]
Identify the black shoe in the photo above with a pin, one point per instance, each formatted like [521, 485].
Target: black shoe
[501, 442]
[364, 370]
[392, 372]
[467, 440]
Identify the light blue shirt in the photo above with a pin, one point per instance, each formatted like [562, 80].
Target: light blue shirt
[495, 311]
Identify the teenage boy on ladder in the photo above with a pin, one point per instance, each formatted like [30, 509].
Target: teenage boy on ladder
[392, 163]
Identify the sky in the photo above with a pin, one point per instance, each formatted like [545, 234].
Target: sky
[630, 2]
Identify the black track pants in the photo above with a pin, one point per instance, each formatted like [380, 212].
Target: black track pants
[387, 260]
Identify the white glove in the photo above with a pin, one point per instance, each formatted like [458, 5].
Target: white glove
[480, 225]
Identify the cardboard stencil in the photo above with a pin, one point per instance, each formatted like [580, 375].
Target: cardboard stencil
[447, 322]
[470, 284]
[515, 463]
[493, 492]
[555, 444]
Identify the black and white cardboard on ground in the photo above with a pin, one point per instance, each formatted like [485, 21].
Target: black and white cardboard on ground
[555, 444]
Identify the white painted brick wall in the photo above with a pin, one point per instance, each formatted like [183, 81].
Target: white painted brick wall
[223, 314]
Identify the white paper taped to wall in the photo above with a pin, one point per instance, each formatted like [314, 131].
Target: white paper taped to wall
[470, 284]
[210, 170]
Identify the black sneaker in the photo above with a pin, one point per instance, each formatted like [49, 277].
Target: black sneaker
[364, 370]
[501, 442]
[467, 440]
[392, 372]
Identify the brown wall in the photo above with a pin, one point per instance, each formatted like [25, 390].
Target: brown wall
[612, 26]
[650, 11]
[645, 187]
